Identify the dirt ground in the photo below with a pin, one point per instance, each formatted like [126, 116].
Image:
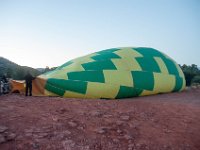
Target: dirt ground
[160, 122]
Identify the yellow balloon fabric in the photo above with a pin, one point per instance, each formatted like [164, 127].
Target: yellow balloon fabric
[113, 74]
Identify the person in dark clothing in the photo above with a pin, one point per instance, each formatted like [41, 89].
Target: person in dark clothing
[29, 78]
[4, 79]
[5, 87]
[1, 87]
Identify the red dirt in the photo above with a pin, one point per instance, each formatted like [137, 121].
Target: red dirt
[160, 122]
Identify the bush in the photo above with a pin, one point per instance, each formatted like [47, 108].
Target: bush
[196, 79]
[190, 73]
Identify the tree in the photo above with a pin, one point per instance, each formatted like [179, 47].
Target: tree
[46, 69]
[190, 72]
[196, 79]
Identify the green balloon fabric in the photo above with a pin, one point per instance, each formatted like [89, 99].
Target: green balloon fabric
[114, 73]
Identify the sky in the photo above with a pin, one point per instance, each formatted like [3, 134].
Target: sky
[42, 33]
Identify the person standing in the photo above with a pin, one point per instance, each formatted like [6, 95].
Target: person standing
[1, 87]
[5, 87]
[29, 78]
[4, 79]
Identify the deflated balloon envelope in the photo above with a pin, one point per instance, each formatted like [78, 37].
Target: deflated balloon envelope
[114, 73]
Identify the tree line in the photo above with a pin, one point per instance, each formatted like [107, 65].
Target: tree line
[192, 74]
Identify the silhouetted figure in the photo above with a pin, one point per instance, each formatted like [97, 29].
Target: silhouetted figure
[4, 79]
[4, 85]
[29, 79]
[1, 87]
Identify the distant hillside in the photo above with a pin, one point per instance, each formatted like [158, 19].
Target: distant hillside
[14, 70]
[40, 69]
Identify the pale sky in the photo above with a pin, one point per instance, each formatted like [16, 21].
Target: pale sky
[42, 33]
